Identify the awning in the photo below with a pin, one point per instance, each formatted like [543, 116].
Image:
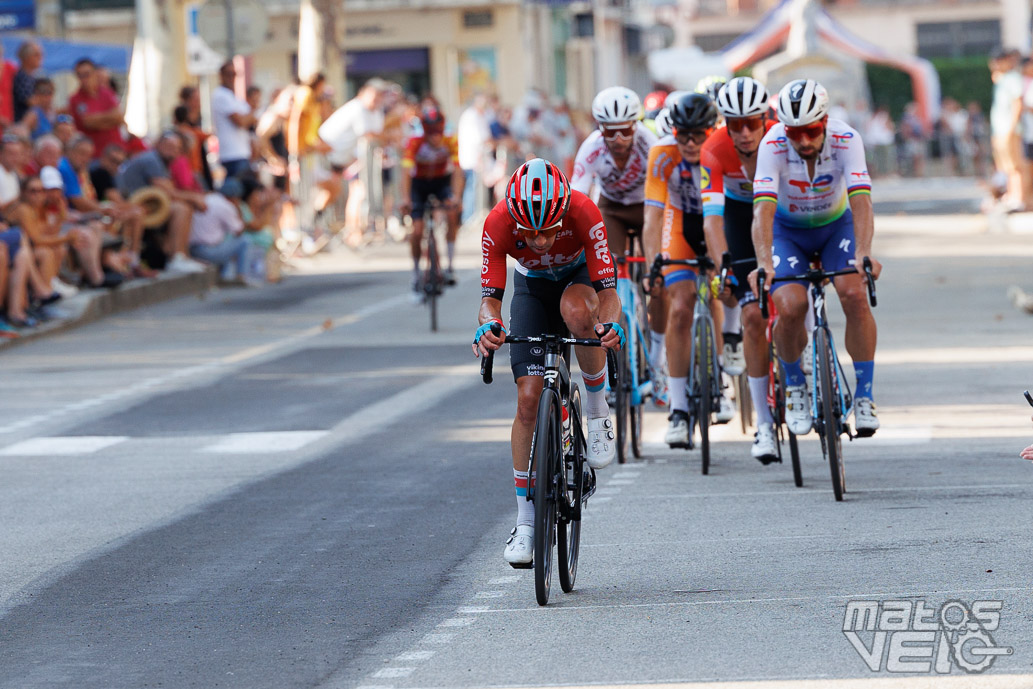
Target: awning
[61, 56]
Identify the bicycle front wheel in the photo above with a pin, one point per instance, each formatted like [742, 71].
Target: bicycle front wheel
[568, 544]
[831, 442]
[623, 399]
[546, 450]
[432, 283]
[705, 375]
[635, 412]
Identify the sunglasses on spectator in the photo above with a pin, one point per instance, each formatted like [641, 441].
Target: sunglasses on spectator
[618, 131]
[696, 136]
[809, 131]
[34, 190]
[737, 124]
[531, 233]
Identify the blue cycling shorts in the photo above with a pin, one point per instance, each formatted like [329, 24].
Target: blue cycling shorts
[793, 248]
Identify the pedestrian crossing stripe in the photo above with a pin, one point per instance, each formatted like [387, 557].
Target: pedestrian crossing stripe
[231, 443]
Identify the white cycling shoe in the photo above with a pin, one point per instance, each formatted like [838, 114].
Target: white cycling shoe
[798, 410]
[520, 546]
[866, 419]
[678, 429]
[725, 411]
[732, 358]
[602, 444]
[764, 449]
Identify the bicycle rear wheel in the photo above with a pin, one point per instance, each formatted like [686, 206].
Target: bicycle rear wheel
[703, 388]
[568, 544]
[635, 412]
[623, 399]
[432, 283]
[831, 442]
[780, 416]
[547, 447]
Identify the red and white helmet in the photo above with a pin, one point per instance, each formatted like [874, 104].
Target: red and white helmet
[538, 195]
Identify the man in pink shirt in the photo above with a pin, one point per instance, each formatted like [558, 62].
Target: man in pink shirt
[95, 108]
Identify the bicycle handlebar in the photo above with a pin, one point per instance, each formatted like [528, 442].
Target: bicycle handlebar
[611, 357]
[702, 262]
[816, 276]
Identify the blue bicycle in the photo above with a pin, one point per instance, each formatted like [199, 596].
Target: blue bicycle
[633, 367]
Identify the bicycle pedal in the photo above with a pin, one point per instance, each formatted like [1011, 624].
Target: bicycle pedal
[864, 432]
[522, 565]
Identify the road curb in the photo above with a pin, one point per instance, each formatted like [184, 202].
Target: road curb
[92, 305]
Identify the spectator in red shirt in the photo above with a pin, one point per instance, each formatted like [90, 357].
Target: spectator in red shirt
[7, 71]
[95, 107]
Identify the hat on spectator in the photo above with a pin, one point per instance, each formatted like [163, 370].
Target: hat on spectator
[64, 119]
[51, 178]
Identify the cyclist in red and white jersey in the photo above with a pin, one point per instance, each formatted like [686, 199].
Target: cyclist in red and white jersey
[812, 198]
[728, 162]
[564, 280]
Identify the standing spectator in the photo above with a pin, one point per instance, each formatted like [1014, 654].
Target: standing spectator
[190, 98]
[474, 136]
[1005, 111]
[978, 135]
[878, 138]
[151, 168]
[215, 233]
[348, 132]
[1026, 132]
[955, 120]
[913, 137]
[39, 119]
[303, 145]
[95, 107]
[30, 55]
[233, 121]
[7, 71]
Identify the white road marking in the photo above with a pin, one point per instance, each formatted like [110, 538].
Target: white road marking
[258, 443]
[393, 672]
[619, 482]
[626, 474]
[460, 621]
[437, 638]
[511, 579]
[415, 656]
[490, 594]
[64, 446]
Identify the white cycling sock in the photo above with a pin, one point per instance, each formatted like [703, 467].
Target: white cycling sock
[451, 254]
[733, 322]
[656, 349]
[525, 507]
[595, 394]
[759, 393]
[679, 394]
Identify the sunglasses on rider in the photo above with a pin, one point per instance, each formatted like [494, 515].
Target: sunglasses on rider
[737, 124]
[809, 131]
[619, 131]
[531, 233]
[696, 136]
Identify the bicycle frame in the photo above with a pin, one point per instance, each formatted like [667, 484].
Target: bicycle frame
[628, 293]
[842, 394]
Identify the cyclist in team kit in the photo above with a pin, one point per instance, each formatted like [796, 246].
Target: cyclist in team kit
[430, 166]
[812, 197]
[728, 162]
[614, 157]
[564, 280]
[674, 226]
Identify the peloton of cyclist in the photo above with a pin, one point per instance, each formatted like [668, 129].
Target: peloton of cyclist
[564, 279]
[430, 167]
[614, 156]
[812, 198]
[674, 226]
[728, 163]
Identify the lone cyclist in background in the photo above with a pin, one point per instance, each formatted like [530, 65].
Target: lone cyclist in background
[812, 199]
[430, 167]
[564, 280]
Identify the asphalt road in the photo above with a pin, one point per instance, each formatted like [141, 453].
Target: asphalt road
[300, 486]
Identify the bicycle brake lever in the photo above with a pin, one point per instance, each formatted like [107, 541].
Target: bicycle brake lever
[871, 280]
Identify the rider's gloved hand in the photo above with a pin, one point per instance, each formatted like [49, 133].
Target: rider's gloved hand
[484, 340]
[616, 332]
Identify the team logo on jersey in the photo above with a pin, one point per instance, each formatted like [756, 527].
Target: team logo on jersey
[862, 176]
[820, 185]
[704, 178]
[764, 180]
[779, 142]
[842, 138]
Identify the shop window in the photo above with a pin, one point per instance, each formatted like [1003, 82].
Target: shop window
[475, 19]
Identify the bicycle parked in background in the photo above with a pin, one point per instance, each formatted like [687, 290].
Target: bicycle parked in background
[832, 401]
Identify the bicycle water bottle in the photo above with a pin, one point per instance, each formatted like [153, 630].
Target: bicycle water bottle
[566, 431]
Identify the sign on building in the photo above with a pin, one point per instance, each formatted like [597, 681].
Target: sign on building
[17, 15]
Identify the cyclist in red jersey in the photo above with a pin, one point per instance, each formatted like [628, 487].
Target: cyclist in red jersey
[564, 280]
[729, 162]
[430, 167]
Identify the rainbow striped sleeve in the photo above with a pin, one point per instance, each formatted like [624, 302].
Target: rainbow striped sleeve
[859, 189]
[762, 196]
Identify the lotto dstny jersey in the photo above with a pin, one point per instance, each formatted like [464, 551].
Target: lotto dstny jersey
[595, 162]
[804, 201]
[581, 239]
[672, 181]
[424, 160]
[722, 173]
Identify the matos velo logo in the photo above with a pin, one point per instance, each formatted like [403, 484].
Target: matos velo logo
[911, 636]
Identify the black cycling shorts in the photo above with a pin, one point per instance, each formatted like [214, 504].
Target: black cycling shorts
[423, 188]
[535, 309]
[739, 236]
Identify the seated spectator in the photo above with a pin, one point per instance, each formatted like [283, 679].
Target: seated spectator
[182, 170]
[39, 119]
[12, 159]
[47, 152]
[258, 207]
[64, 128]
[18, 278]
[194, 150]
[215, 235]
[151, 168]
[95, 107]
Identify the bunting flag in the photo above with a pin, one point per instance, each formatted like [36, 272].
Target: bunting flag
[773, 30]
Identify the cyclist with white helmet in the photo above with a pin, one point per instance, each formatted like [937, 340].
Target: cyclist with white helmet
[674, 226]
[711, 85]
[564, 279]
[812, 199]
[728, 162]
[662, 123]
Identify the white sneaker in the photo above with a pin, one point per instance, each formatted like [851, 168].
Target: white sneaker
[806, 357]
[733, 359]
[725, 412]
[181, 264]
[520, 546]
[63, 288]
[601, 445]
[866, 419]
[678, 430]
[764, 448]
[798, 411]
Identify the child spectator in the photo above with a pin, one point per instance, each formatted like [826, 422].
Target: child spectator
[39, 119]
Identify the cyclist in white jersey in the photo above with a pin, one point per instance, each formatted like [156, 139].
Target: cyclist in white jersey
[812, 199]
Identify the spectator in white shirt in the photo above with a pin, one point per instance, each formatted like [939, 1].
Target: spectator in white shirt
[233, 121]
[216, 233]
[12, 157]
[473, 134]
